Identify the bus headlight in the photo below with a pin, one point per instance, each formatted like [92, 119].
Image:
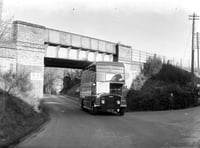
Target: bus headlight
[102, 101]
[118, 102]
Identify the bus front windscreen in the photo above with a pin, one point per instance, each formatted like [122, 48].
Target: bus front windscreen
[109, 73]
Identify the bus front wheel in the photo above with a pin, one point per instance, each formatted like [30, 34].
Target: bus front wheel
[93, 109]
[122, 111]
[82, 104]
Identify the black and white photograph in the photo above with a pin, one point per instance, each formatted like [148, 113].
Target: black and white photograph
[99, 74]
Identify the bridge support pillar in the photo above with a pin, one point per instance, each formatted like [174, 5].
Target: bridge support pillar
[30, 52]
[124, 55]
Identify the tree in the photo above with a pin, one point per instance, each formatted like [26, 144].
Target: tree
[50, 76]
[152, 66]
[10, 82]
[71, 79]
[6, 25]
[73, 73]
[6, 30]
[53, 77]
[14, 84]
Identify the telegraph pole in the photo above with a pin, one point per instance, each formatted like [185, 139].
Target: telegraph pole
[193, 18]
[198, 50]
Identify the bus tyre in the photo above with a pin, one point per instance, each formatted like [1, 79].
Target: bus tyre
[82, 104]
[122, 111]
[93, 109]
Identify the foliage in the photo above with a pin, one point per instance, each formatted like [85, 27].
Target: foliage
[67, 77]
[152, 66]
[172, 74]
[50, 76]
[149, 69]
[71, 81]
[74, 91]
[171, 88]
[170, 96]
[16, 84]
[18, 120]
[73, 73]
[6, 29]
[138, 82]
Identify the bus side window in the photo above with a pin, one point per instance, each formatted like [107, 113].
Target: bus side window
[83, 77]
[87, 76]
[93, 77]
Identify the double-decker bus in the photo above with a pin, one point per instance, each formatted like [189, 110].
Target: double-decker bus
[101, 87]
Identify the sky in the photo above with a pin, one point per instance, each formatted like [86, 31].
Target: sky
[155, 26]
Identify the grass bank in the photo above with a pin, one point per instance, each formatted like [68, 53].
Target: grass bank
[17, 120]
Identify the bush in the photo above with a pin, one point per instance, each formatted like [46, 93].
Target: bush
[163, 98]
[15, 84]
[18, 120]
[171, 88]
[149, 69]
[172, 74]
[60, 80]
[152, 66]
[50, 76]
[138, 82]
[71, 82]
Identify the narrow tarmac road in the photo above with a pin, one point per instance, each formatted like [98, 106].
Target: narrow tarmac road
[71, 127]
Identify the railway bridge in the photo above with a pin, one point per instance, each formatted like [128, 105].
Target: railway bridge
[32, 47]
